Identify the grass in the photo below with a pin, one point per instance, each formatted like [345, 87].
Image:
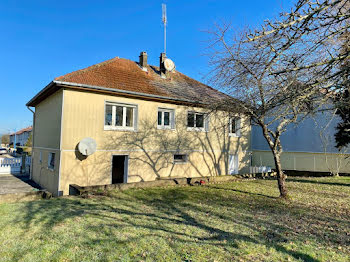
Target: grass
[238, 221]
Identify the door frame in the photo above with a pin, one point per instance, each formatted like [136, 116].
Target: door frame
[236, 164]
[126, 168]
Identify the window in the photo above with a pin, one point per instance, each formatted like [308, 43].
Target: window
[166, 118]
[40, 157]
[235, 126]
[180, 158]
[199, 121]
[120, 116]
[51, 162]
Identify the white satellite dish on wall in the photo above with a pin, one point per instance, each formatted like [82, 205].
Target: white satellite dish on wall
[87, 146]
[169, 64]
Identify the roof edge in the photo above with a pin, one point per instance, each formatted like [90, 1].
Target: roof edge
[47, 87]
[126, 92]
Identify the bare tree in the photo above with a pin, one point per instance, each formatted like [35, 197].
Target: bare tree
[325, 131]
[342, 136]
[5, 139]
[285, 70]
[244, 70]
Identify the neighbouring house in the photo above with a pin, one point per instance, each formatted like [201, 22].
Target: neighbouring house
[308, 146]
[21, 137]
[148, 123]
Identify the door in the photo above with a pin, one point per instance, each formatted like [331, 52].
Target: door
[119, 169]
[233, 165]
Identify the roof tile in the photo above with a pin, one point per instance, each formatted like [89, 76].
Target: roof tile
[124, 74]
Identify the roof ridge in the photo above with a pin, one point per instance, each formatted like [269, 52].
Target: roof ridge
[83, 70]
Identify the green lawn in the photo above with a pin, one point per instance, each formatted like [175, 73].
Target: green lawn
[238, 221]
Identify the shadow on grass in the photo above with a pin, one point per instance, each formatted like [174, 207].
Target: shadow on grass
[190, 216]
[317, 182]
[243, 192]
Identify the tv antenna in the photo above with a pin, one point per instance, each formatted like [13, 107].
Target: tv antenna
[165, 21]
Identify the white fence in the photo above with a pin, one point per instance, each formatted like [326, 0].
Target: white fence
[13, 165]
[259, 169]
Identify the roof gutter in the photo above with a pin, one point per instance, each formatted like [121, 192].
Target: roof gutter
[40, 93]
[119, 91]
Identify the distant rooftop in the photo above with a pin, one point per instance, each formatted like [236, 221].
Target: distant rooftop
[27, 129]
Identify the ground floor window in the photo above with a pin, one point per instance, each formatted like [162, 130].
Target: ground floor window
[51, 161]
[180, 158]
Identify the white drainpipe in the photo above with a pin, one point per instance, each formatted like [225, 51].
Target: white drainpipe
[31, 161]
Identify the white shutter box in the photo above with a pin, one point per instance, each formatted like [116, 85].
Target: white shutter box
[136, 116]
[206, 123]
[172, 119]
[238, 126]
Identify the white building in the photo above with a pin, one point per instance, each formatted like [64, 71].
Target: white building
[309, 146]
[21, 136]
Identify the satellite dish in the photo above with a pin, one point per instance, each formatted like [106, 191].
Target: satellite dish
[87, 146]
[169, 64]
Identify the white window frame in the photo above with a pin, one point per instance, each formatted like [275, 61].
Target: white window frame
[49, 161]
[171, 112]
[123, 127]
[205, 122]
[238, 126]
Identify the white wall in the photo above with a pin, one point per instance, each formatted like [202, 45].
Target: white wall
[21, 138]
[309, 136]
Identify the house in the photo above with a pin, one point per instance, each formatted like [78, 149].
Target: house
[308, 146]
[21, 137]
[148, 123]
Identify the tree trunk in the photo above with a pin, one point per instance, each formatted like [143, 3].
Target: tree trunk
[281, 177]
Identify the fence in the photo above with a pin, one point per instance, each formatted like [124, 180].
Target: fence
[259, 169]
[14, 165]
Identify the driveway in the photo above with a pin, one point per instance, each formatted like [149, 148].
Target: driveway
[10, 184]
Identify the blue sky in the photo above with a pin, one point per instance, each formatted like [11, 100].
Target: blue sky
[44, 39]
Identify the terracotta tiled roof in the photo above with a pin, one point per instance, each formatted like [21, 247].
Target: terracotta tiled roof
[126, 75]
[27, 129]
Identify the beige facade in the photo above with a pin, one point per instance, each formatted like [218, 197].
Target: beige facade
[46, 137]
[149, 150]
[305, 161]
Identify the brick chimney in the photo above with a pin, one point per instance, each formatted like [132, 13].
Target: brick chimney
[162, 69]
[143, 60]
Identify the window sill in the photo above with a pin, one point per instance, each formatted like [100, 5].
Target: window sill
[165, 128]
[196, 129]
[180, 162]
[114, 128]
[234, 135]
[51, 169]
